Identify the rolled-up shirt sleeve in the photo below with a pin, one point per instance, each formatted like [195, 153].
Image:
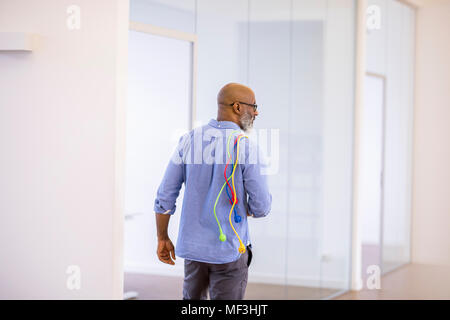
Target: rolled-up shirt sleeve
[169, 189]
[256, 186]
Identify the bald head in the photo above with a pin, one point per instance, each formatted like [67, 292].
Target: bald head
[234, 103]
[233, 92]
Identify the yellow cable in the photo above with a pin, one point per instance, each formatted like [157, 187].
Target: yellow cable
[241, 247]
[222, 236]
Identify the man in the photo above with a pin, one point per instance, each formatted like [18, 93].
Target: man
[214, 262]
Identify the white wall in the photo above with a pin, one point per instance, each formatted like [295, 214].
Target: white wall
[59, 107]
[431, 201]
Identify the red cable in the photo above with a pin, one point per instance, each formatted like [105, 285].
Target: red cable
[233, 196]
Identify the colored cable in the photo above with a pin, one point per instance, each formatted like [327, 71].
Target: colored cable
[222, 236]
[237, 218]
[241, 247]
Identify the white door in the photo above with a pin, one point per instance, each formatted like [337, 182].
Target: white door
[159, 111]
[372, 136]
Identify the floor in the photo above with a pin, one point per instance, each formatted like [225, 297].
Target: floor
[370, 256]
[409, 282]
[412, 281]
[150, 287]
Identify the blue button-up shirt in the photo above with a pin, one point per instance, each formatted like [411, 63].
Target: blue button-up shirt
[199, 162]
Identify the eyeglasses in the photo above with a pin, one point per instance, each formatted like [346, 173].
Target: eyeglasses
[255, 106]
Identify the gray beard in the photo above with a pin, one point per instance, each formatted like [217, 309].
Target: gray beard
[247, 122]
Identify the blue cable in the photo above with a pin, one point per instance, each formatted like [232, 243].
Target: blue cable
[237, 218]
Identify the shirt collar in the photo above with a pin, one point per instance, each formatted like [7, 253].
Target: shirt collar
[223, 124]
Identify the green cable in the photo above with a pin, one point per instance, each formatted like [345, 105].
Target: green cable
[222, 236]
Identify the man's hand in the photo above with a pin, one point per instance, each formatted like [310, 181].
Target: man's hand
[165, 249]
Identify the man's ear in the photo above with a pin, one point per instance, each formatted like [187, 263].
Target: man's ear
[237, 108]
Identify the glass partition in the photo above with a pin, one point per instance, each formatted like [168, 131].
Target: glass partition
[298, 57]
[390, 54]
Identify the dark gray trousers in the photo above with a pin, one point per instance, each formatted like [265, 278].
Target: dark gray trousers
[226, 281]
